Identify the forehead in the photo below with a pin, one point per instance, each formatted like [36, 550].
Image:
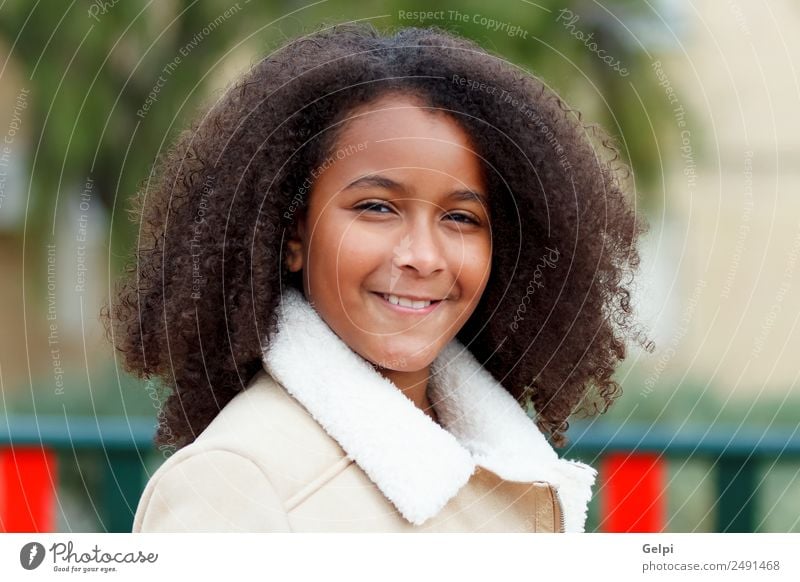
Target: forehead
[398, 133]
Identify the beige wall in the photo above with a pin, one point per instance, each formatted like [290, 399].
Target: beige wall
[734, 248]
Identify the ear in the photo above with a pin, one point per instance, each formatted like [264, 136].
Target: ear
[296, 243]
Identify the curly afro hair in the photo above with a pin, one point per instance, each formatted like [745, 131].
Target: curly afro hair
[198, 300]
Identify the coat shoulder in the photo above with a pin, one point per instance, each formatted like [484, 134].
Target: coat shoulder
[209, 490]
[254, 458]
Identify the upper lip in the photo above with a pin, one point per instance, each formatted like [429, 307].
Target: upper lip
[410, 296]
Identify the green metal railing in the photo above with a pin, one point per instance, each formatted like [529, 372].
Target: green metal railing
[736, 455]
[123, 447]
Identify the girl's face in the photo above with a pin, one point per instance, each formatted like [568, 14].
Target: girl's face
[399, 211]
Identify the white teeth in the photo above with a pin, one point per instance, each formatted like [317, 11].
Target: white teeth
[395, 300]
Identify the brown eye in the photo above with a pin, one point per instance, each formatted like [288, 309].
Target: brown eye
[371, 206]
[467, 218]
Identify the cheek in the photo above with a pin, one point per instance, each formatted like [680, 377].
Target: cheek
[347, 249]
[359, 242]
[474, 265]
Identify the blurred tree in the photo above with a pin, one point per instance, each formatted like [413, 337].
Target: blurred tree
[92, 67]
[112, 82]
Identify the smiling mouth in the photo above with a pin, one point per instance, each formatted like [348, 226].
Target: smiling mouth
[408, 305]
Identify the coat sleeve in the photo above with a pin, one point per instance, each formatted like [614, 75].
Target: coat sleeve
[210, 491]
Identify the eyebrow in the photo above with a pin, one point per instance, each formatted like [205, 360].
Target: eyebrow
[374, 180]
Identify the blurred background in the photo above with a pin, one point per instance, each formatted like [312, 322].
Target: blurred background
[701, 97]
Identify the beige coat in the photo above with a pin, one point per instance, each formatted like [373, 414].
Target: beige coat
[320, 441]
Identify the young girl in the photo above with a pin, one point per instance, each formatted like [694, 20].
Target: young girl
[355, 272]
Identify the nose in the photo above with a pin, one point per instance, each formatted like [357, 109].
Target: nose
[420, 249]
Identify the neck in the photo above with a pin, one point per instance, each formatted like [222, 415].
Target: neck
[414, 385]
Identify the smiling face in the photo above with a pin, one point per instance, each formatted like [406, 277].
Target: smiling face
[398, 213]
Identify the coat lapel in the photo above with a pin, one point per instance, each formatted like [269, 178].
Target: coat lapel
[416, 463]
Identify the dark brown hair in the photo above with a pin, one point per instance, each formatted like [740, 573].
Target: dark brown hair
[198, 302]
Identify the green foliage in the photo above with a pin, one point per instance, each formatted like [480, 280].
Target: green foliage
[107, 392]
[93, 65]
[697, 402]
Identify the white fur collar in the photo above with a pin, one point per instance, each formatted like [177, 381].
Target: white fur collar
[418, 465]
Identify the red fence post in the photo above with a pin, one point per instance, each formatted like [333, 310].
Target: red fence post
[633, 496]
[27, 494]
